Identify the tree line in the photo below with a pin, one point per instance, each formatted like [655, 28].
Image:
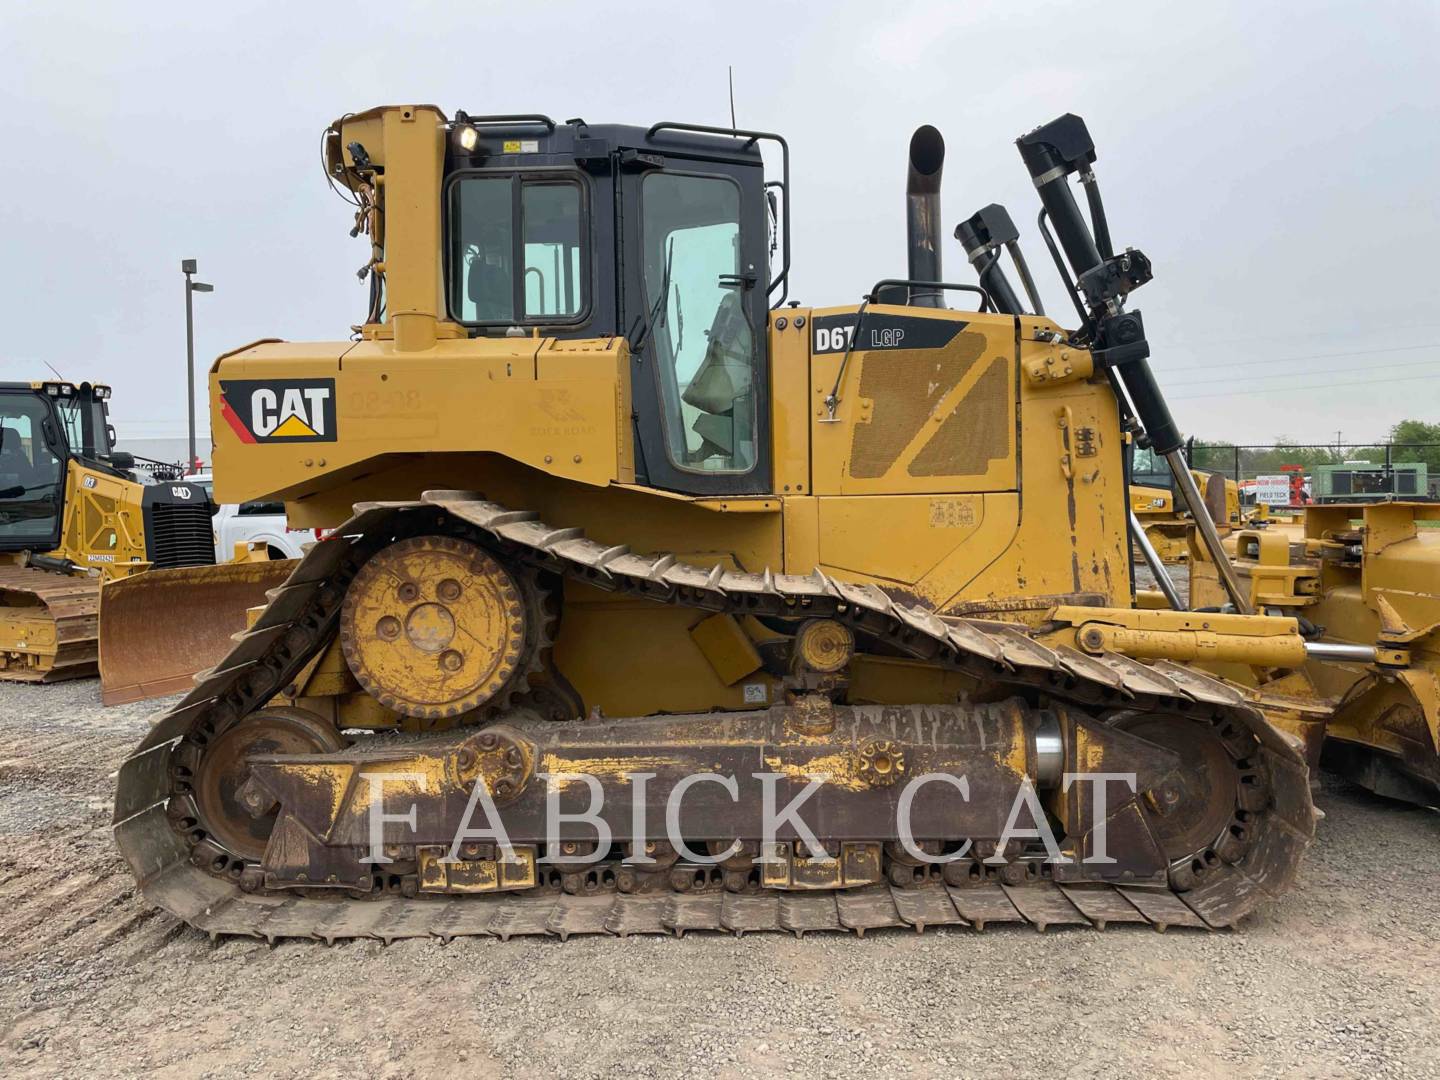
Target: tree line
[1220, 455]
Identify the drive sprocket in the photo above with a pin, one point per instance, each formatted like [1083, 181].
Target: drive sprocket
[437, 626]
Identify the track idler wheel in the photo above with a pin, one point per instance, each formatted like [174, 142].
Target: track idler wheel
[435, 626]
[237, 813]
[1200, 818]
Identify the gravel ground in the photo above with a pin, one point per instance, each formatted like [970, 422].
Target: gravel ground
[1179, 575]
[1335, 980]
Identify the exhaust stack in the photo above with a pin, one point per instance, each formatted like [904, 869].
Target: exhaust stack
[922, 214]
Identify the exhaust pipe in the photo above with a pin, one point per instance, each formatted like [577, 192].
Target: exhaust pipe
[922, 214]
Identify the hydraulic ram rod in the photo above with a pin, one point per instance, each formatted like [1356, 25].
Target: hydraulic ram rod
[1208, 533]
[1157, 568]
[1325, 650]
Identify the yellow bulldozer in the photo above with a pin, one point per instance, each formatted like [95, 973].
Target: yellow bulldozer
[653, 600]
[1162, 514]
[76, 516]
[1363, 581]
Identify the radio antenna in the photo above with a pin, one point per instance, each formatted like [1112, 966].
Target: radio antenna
[730, 71]
[57, 373]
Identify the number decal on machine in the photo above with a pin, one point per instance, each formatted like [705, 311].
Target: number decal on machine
[833, 338]
[881, 330]
[290, 410]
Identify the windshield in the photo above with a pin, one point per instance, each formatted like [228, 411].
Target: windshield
[30, 474]
[704, 346]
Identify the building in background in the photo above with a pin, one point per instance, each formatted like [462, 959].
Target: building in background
[171, 450]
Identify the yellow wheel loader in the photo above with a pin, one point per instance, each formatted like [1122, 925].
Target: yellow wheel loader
[75, 516]
[653, 600]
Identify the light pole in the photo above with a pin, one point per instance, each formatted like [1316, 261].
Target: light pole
[187, 267]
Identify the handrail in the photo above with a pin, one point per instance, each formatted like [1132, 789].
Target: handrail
[783, 278]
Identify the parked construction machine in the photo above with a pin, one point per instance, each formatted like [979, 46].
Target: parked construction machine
[74, 514]
[1363, 581]
[627, 550]
[1164, 515]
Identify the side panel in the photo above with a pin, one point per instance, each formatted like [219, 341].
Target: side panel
[294, 420]
[926, 403]
[104, 525]
[929, 548]
[924, 486]
[1072, 538]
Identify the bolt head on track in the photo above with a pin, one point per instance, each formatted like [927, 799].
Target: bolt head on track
[433, 626]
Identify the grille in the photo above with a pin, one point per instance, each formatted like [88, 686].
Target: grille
[905, 385]
[180, 535]
[974, 434]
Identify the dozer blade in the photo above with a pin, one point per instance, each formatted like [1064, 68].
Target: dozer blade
[159, 628]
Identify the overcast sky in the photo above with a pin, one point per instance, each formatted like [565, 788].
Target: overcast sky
[1280, 170]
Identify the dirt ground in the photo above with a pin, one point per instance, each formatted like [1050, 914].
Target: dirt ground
[1336, 980]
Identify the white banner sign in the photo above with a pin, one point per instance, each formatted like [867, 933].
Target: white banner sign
[1273, 490]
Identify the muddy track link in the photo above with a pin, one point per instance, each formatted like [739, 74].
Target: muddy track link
[179, 868]
[70, 605]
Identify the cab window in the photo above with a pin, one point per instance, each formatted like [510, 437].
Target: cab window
[517, 251]
[87, 429]
[1149, 468]
[704, 346]
[30, 473]
[72, 418]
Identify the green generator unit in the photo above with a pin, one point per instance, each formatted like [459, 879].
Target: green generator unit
[1367, 482]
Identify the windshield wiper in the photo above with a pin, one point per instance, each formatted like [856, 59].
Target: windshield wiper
[679, 323]
[657, 312]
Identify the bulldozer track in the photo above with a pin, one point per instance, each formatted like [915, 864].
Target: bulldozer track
[72, 604]
[181, 869]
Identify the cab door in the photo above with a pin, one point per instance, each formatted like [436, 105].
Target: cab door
[32, 473]
[695, 274]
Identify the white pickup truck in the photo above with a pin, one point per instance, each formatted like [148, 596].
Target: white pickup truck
[251, 523]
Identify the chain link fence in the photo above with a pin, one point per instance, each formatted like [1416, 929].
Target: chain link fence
[1324, 472]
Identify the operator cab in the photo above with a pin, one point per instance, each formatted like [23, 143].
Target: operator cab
[42, 426]
[1149, 469]
[661, 235]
